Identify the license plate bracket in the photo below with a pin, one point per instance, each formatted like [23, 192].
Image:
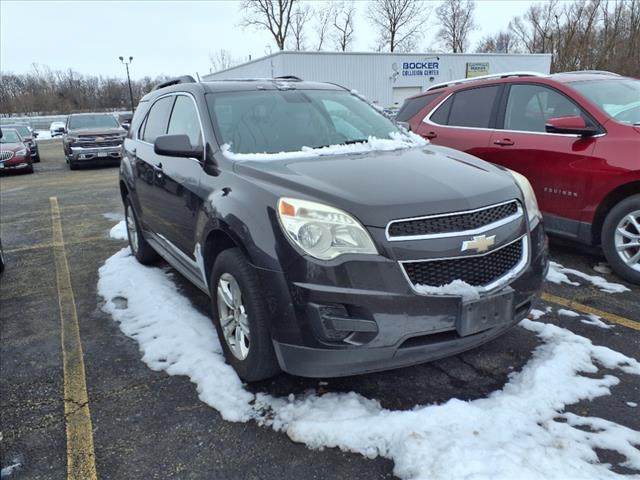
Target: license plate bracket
[102, 154]
[478, 315]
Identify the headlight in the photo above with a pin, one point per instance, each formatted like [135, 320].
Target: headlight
[530, 202]
[72, 139]
[21, 153]
[321, 231]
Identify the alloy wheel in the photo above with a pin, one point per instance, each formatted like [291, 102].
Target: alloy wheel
[233, 316]
[627, 239]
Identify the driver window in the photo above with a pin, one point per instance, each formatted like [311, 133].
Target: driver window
[530, 106]
[184, 120]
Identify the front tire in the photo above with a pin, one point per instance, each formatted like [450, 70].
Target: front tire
[241, 317]
[621, 238]
[72, 165]
[140, 248]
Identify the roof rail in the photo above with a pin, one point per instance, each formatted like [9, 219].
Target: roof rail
[486, 77]
[596, 72]
[175, 81]
[291, 78]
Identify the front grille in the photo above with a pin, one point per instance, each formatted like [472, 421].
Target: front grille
[5, 155]
[109, 143]
[477, 271]
[451, 223]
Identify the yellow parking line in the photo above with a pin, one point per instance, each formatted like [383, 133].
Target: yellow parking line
[572, 304]
[81, 462]
[40, 246]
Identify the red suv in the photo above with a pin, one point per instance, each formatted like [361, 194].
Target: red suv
[575, 136]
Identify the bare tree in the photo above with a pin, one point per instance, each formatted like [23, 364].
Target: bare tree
[501, 42]
[323, 17]
[299, 19]
[456, 20]
[398, 23]
[221, 60]
[271, 15]
[344, 14]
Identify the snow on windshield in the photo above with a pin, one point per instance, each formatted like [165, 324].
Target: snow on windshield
[397, 141]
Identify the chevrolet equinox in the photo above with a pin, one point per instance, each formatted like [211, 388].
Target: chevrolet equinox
[330, 241]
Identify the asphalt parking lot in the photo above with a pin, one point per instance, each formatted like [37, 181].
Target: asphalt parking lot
[147, 424]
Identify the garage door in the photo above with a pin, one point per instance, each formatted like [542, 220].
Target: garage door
[400, 93]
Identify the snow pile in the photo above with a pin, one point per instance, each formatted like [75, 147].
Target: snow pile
[43, 135]
[398, 141]
[596, 321]
[172, 335]
[458, 288]
[119, 231]
[558, 274]
[568, 313]
[520, 431]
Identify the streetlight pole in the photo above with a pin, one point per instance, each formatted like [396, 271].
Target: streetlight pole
[126, 64]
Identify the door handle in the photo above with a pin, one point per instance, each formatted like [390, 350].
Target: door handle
[430, 135]
[504, 142]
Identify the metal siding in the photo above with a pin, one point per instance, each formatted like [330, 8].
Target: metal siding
[371, 74]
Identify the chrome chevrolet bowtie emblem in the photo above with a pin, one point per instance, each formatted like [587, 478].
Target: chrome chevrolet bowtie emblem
[480, 243]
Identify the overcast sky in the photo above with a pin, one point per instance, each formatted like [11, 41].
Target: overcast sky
[167, 37]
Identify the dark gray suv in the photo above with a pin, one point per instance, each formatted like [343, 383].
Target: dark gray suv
[330, 241]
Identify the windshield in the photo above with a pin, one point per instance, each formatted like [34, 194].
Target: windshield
[10, 136]
[23, 130]
[288, 120]
[618, 98]
[93, 121]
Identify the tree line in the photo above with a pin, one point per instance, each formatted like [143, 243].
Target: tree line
[43, 91]
[580, 34]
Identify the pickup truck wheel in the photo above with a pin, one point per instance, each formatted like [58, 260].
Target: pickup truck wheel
[621, 238]
[140, 248]
[240, 316]
[72, 165]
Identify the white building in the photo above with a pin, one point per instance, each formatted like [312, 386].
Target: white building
[384, 78]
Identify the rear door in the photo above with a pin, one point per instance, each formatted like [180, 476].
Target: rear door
[464, 120]
[555, 164]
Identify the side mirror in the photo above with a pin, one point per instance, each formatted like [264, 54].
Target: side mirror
[35, 134]
[177, 146]
[574, 125]
[125, 126]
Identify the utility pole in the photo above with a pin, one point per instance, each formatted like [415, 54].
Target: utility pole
[126, 64]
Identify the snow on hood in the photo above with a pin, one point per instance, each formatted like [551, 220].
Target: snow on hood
[520, 432]
[398, 141]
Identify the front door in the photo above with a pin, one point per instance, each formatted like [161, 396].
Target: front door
[557, 165]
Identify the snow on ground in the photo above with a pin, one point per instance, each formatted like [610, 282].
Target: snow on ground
[596, 321]
[632, 404]
[521, 431]
[115, 216]
[558, 274]
[43, 135]
[397, 141]
[568, 313]
[119, 231]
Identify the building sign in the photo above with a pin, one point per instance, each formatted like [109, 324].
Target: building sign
[429, 67]
[477, 69]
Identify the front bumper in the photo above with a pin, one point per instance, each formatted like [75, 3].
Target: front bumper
[15, 164]
[363, 316]
[94, 153]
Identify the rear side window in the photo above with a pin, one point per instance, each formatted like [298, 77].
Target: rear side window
[472, 108]
[157, 119]
[184, 120]
[468, 108]
[412, 106]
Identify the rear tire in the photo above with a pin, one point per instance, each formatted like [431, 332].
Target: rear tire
[140, 248]
[621, 238]
[236, 296]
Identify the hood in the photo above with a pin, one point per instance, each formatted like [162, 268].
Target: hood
[98, 131]
[14, 147]
[378, 187]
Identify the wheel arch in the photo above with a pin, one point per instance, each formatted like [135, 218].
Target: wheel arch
[216, 241]
[611, 200]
